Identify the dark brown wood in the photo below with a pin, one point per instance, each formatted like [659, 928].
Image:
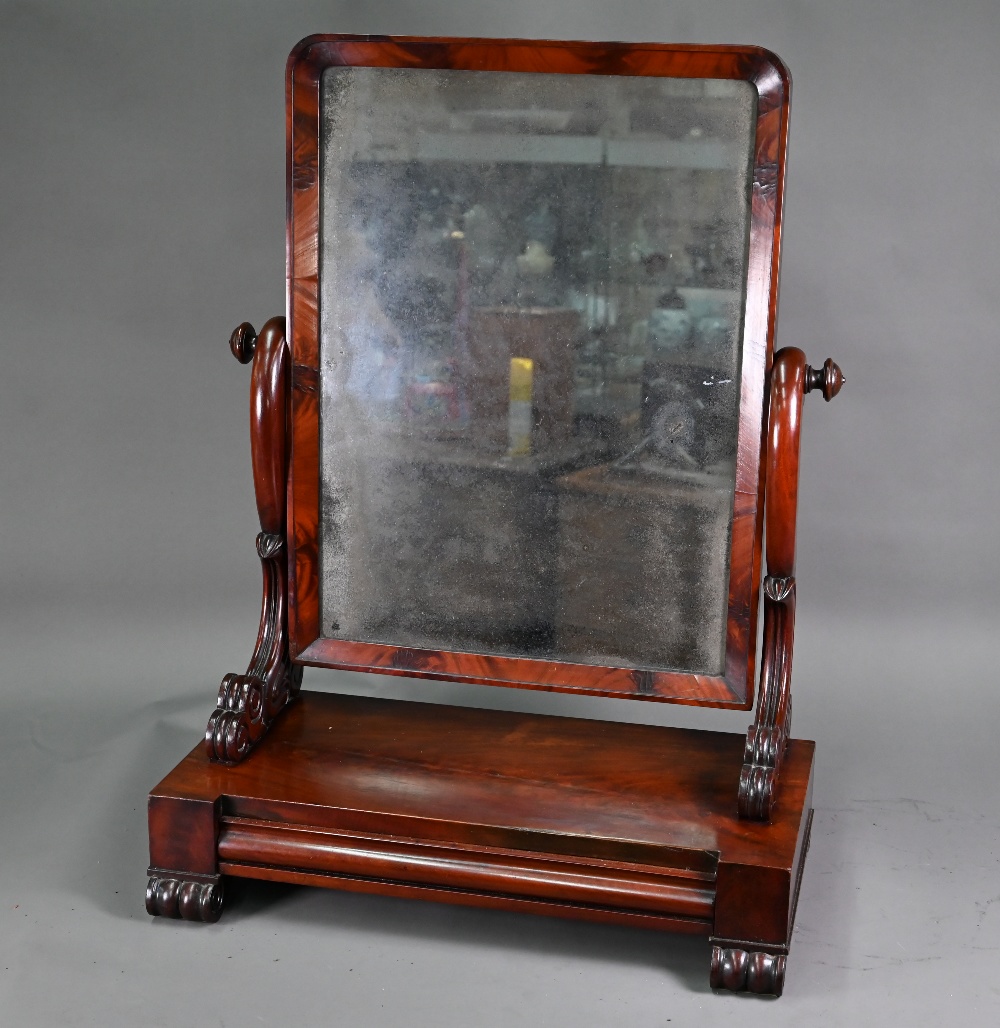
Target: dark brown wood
[243, 342]
[611, 822]
[829, 379]
[734, 688]
[740, 971]
[791, 379]
[188, 897]
[249, 703]
[767, 736]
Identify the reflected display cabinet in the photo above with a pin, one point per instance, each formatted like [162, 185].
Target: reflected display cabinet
[523, 425]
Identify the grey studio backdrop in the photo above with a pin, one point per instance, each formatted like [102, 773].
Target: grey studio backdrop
[142, 217]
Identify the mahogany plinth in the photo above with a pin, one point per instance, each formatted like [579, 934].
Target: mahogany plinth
[606, 821]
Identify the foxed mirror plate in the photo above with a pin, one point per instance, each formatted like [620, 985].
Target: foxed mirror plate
[531, 317]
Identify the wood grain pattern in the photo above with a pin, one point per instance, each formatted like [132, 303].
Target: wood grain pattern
[605, 821]
[734, 688]
[466, 868]
[248, 703]
[471, 898]
[522, 672]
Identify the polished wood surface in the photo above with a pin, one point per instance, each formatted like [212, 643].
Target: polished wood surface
[248, 703]
[788, 377]
[607, 821]
[612, 822]
[829, 379]
[791, 379]
[735, 687]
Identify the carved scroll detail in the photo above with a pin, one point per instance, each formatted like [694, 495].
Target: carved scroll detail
[193, 899]
[767, 736]
[791, 379]
[249, 703]
[740, 970]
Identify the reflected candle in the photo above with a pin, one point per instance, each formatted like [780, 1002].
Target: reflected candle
[519, 414]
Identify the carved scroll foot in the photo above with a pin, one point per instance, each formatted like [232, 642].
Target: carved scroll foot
[246, 709]
[740, 970]
[249, 703]
[191, 897]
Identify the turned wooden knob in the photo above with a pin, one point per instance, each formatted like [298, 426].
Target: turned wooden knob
[243, 342]
[828, 378]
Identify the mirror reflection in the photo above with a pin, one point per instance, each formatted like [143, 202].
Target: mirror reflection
[531, 295]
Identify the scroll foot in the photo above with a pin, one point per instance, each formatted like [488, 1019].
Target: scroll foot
[740, 970]
[191, 897]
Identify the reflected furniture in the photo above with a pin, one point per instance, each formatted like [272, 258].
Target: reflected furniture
[523, 425]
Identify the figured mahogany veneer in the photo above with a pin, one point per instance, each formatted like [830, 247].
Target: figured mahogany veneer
[735, 687]
[605, 821]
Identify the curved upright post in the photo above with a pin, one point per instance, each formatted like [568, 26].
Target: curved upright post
[791, 379]
[248, 703]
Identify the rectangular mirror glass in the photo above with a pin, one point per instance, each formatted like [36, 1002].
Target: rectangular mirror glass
[531, 315]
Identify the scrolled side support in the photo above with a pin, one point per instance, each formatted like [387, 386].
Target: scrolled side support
[249, 703]
[791, 379]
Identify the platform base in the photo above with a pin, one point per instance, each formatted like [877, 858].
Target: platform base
[610, 822]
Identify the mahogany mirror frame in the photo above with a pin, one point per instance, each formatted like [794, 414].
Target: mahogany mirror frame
[306, 64]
